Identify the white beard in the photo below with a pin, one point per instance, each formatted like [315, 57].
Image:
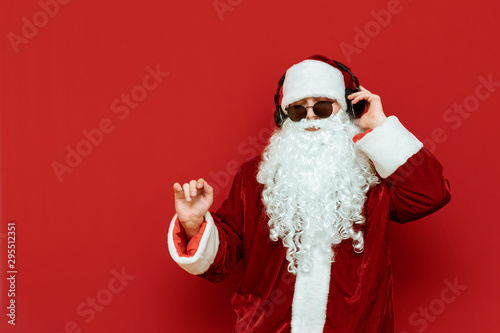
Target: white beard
[315, 186]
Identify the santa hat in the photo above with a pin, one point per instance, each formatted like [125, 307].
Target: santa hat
[313, 78]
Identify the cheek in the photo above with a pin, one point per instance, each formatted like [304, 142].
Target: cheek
[336, 108]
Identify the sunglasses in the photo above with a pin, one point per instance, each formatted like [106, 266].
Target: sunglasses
[322, 109]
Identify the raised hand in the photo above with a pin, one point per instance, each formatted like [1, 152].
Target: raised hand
[374, 116]
[192, 201]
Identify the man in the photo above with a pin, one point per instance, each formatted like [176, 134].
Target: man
[310, 216]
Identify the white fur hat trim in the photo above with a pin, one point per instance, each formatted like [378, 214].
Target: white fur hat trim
[313, 78]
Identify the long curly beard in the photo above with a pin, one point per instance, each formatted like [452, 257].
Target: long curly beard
[315, 186]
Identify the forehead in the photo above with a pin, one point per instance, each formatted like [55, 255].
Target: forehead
[314, 99]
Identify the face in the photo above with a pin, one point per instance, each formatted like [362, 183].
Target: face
[310, 101]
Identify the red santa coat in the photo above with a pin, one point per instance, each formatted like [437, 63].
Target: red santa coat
[360, 285]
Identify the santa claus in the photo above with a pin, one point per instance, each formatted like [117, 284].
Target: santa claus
[309, 217]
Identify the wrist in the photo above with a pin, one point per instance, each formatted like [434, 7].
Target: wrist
[378, 121]
[192, 228]
[190, 233]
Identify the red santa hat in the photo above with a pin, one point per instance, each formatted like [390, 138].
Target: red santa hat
[313, 78]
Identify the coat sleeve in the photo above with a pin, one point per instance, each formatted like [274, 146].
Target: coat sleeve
[418, 188]
[415, 177]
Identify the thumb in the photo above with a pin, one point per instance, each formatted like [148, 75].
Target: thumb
[209, 190]
[357, 122]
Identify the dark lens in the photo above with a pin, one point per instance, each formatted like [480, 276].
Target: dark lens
[296, 112]
[323, 109]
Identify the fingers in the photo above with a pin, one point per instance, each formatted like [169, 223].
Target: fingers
[360, 95]
[178, 192]
[187, 194]
[200, 183]
[208, 188]
[192, 188]
[189, 190]
[362, 90]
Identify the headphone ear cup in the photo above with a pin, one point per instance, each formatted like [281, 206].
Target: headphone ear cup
[354, 110]
[349, 110]
[359, 107]
[279, 116]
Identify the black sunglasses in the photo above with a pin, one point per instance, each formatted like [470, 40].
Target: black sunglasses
[322, 109]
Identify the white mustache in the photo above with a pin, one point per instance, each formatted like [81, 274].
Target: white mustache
[308, 123]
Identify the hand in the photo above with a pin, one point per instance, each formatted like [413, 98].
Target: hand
[192, 201]
[374, 116]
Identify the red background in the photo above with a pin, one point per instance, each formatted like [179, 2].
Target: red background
[212, 112]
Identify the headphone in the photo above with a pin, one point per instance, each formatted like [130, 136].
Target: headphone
[351, 86]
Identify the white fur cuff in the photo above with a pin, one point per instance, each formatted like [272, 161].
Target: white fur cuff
[389, 146]
[207, 249]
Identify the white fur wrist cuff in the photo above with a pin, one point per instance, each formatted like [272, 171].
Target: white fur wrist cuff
[207, 249]
[389, 146]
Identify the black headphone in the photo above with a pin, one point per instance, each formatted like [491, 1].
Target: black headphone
[351, 86]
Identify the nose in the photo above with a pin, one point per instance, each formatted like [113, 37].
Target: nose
[310, 113]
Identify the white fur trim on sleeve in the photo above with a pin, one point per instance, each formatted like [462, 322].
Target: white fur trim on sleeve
[207, 250]
[389, 146]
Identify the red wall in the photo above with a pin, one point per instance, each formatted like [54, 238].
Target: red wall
[87, 178]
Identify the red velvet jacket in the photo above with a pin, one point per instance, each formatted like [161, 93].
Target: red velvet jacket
[360, 296]
[361, 284]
